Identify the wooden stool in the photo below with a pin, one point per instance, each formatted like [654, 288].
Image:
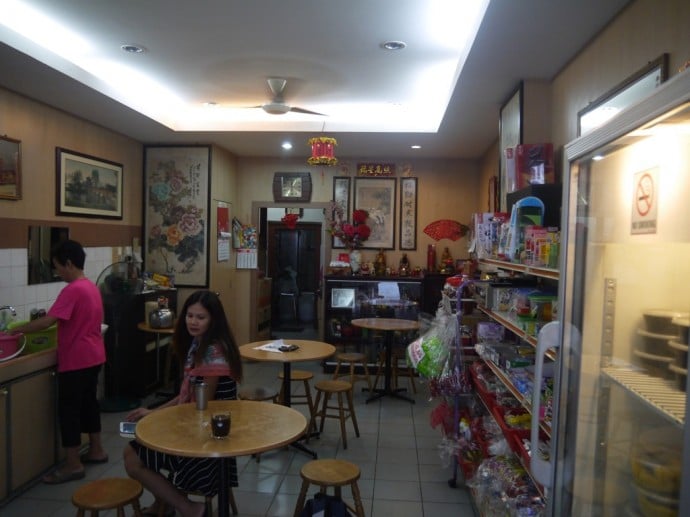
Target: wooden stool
[402, 371]
[108, 494]
[297, 376]
[259, 393]
[353, 358]
[326, 389]
[335, 473]
[208, 501]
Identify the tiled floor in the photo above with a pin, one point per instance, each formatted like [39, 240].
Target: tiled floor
[402, 474]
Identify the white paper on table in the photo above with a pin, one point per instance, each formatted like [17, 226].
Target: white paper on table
[272, 347]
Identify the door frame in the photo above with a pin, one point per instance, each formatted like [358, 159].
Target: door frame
[325, 252]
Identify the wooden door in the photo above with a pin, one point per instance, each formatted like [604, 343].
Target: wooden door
[294, 264]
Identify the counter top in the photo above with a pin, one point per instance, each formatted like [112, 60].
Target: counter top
[26, 364]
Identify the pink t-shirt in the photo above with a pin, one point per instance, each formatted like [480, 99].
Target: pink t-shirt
[79, 310]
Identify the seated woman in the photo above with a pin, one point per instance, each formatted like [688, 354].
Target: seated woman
[208, 352]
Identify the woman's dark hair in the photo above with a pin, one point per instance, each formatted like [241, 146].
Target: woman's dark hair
[218, 332]
[69, 250]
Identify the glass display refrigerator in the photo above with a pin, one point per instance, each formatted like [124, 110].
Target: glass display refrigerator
[619, 443]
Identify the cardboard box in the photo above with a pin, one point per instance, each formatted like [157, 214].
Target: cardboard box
[534, 165]
[511, 172]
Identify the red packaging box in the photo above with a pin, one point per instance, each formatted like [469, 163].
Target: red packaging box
[534, 164]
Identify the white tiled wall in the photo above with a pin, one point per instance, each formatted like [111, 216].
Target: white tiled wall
[14, 273]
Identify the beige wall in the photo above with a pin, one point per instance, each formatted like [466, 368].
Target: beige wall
[41, 129]
[643, 31]
[447, 189]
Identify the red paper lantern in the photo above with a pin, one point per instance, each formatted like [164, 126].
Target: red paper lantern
[322, 151]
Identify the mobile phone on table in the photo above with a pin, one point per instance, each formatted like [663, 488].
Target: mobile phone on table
[127, 429]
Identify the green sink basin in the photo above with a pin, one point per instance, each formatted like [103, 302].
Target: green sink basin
[38, 341]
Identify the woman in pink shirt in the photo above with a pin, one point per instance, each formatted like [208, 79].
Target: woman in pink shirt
[78, 312]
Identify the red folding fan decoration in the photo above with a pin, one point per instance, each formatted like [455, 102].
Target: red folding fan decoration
[446, 229]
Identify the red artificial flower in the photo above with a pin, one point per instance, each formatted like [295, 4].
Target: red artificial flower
[363, 231]
[352, 235]
[290, 220]
[359, 216]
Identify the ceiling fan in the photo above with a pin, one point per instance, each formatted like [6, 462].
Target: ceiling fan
[277, 105]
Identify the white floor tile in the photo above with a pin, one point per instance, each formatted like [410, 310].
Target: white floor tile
[401, 471]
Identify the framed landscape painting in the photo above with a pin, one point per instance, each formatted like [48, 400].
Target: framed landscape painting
[87, 186]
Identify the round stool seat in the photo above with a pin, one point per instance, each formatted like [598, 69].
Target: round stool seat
[333, 386]
[258, 393]
[330, 472]
[298, 375]
[107, 493]
[349, 357]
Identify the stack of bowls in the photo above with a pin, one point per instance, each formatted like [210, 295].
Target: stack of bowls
[679, 346]
[654, 354]
[656, 467]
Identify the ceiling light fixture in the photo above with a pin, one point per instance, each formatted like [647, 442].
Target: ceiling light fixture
[415, 146]
[286, 145]
[393, 45]
[132, 49]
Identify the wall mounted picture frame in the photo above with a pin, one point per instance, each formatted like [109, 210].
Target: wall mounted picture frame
[624, 94]
[10, 168]
[177, 187]
[509, 135]
[292, 187]
[341, 196]
[87, 186]
[408, 214]
[377, 196]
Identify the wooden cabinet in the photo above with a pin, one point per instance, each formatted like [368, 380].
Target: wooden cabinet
[33, 417]
[29, 439]
[263, 309]
[130, 369]
[433, 287]
[350, 297]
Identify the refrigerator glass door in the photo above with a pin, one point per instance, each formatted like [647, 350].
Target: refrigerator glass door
[626, 299]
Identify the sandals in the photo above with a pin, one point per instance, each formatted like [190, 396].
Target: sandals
[58, 477]
[89, 461]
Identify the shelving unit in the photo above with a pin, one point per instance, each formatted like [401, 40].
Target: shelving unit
[656, 393]
[509, 322]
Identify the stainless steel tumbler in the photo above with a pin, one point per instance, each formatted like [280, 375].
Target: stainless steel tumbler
[201, 394]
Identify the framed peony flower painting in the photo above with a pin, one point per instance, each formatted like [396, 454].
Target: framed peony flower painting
[177, 188]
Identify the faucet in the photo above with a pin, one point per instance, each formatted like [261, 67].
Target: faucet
[4, 318]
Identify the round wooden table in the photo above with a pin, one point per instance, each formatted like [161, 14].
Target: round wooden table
[255, 427]
[307, 351]
[144, 327]
[388, 326]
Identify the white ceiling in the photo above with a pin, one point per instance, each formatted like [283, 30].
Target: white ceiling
[328, 50]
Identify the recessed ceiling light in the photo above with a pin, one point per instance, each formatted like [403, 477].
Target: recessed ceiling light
[393, 45]
[133, 49]
[286, 145]
[415, 146]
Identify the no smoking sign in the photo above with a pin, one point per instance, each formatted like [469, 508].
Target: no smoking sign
[645, 201]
